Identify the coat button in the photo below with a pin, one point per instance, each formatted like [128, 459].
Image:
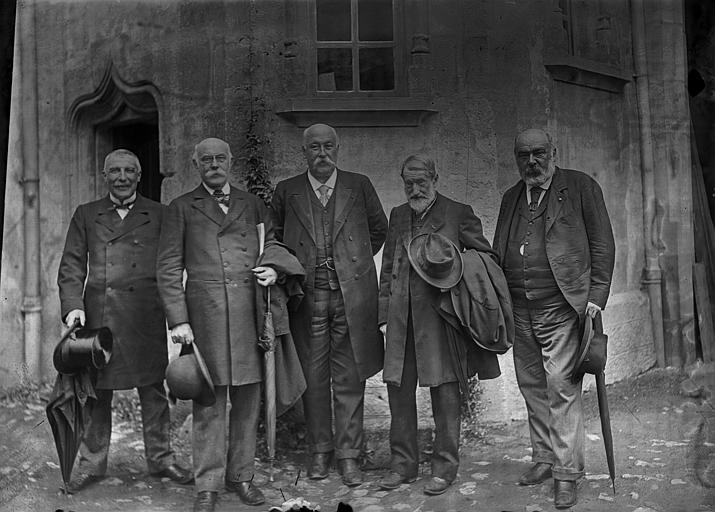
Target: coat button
[109, 244]
[134, 265]
[243, 234]
[394, 276]
[227, 281]
[300, 243]
[131, 288]
[245, 280]
[357, 275]
[136, 242]
[109, 288]
[225, 263]
[350, 238]
[244, 249]
[354, 258]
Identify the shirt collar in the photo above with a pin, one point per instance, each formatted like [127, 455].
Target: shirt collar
[315, 184]
[226, 189]
[120, 202]
[545, 185]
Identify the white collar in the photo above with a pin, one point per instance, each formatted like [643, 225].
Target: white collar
[330, 183]
[545, 185]
[120, 202]
[226, 189]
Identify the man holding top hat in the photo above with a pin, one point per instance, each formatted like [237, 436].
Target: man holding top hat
[556, 247]
[421, 259]
[107, 279]
[212, 233]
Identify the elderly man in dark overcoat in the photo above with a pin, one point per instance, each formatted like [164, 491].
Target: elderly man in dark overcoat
[212, 233]
[556, 247]
[416, 349]
[334, 222]
[107, 278]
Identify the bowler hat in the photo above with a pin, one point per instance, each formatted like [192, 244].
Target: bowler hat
[188, 377]
[591, 355]
[83, 348]
[436, 259]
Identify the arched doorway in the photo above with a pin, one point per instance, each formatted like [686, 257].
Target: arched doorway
[116, 115]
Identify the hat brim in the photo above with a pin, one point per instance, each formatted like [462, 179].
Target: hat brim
[208, 393]
[586, 339]
[446, 282]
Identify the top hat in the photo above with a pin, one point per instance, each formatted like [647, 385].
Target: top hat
[436, 259]
[188, 377]
[83, 348]
[591, 355]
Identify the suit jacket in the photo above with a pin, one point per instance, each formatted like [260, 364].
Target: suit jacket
[118, 260]
[403, 292]
[578, 236]
[217, 251]
[358, 233]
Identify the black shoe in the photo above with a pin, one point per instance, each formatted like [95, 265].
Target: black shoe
[564, 493]
[205, 501]
[319, 466]
[349, 468]
[249, 493]
[82, 481]
[393, 480]
[436, 485]
[176, 473]
[539, 472]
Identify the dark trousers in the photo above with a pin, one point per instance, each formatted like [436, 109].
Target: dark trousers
[403, 423]
[155, 423]
[330, 360]
[547, 339]
[214, 462]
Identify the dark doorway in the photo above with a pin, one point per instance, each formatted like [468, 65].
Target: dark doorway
[142, 139]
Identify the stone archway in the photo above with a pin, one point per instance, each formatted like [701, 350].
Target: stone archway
[116, 114]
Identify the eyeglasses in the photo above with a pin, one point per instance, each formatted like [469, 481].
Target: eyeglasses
[209, 159]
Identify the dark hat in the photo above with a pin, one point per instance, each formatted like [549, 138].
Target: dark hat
[436, 259]
[83, 348]
[591, 355]
[188, 377]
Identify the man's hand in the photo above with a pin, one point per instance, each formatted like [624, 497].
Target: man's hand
[182, 333]
[266, 276]
[76, 315]
[592, 309]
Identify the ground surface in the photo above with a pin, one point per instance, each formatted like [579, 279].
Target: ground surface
[664, 441]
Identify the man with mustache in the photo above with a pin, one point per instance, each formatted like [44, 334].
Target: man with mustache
[106, 278]
[556, 247]
[416, 346]
[211, 233]
[334, 222]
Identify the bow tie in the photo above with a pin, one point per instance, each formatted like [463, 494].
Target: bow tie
[221, 198]
[124, 206]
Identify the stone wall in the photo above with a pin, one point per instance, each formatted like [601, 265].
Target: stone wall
[207, 62]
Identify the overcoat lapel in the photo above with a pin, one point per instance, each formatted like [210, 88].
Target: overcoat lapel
[344, 200]
[299, 201]
[104, 214]
[204, 203]
[556, 200]
[435, 217]
[513, 195]
[137, 216]
[235, 208]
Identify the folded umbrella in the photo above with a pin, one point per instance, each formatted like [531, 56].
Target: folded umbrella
[606, 426]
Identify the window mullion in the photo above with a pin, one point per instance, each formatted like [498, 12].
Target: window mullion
[355, 45]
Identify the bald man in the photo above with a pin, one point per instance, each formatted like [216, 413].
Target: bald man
[556, 247]
[334, 222]
[211, 233]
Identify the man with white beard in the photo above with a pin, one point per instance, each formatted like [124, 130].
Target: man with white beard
[416, 347]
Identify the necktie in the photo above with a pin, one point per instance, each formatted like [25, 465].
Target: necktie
[535, 194]
[221, 198]
[324, 196]
[124, 206]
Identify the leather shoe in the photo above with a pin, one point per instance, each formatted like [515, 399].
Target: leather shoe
[349, 468]
[539, 472]
[176, 473]
[82, 481]
[564, 493]
[205, 501]
[249, 493]
[436, 485]
[318, 468]
[393, 480]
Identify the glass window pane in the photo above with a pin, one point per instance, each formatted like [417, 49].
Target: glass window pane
[375, 20]
[377, 69]
[333, 18]
[335, 69]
